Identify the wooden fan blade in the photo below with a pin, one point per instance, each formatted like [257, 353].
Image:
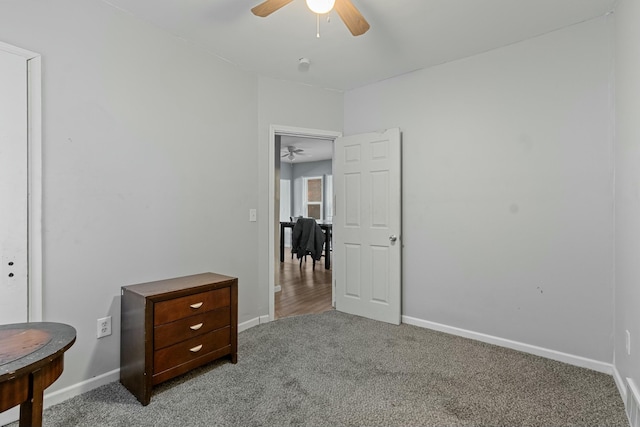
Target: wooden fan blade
[351, 17]
[268, 7]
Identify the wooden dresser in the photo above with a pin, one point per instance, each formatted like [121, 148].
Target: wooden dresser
[170, 327]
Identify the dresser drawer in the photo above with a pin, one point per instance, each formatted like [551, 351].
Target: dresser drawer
[186, 351]
[178, 308]
[189, 327]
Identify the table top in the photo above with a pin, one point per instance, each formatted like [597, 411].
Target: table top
[25, 347]
[323, 224]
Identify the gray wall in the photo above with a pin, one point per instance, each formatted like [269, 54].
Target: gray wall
[627, 190]
[141, 134]
[153, 153]
[295, 173]
[286, 170]
[305, 170]
[507, 189]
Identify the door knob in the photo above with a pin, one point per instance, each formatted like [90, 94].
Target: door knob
[393, 238]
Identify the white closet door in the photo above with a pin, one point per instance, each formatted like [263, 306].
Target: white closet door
[13, 189]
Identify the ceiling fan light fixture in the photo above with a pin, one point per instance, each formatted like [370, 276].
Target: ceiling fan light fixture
[321, 6]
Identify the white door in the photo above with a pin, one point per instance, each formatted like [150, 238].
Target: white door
[13, 188]
[367, 225]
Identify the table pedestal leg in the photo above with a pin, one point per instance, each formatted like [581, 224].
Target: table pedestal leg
[327, 250]
[281, 243]
[31, 409]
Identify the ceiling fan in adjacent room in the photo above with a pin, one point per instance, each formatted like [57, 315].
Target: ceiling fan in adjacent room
[291, 152]
[351, 17]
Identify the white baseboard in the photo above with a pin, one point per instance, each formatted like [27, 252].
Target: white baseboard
[571, 359]
[632, 403]
[277, 288]
[61, 395]
[253, 322]
[264, 319]
[248, 324]
[9, 416]
[66, 393]
[620, 383]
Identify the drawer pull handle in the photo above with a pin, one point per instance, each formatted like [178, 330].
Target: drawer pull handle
[196, 327]
[196, 305]
[196, 349]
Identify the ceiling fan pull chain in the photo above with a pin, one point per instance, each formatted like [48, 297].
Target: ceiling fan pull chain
[317, 25]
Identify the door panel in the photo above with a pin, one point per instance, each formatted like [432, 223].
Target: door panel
[352, 200]
[379, 261]
[13, 188]
[379, 198]
[367, 224]
[351, 277]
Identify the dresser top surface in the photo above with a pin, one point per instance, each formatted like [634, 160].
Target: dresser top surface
[178, 284]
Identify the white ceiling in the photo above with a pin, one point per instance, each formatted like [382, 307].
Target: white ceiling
[314, 149]
[405, 35]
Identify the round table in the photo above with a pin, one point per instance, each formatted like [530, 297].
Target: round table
[31, 359]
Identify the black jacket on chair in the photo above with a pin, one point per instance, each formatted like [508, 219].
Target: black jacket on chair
[307, 239]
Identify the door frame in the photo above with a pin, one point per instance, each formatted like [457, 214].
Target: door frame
[288, 131]
[34, 177]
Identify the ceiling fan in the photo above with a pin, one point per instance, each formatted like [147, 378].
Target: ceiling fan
[291, 152]
[351, 17]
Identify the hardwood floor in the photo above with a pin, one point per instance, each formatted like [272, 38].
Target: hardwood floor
[304, 290]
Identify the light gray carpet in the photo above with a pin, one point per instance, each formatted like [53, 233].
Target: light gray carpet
[334, 369]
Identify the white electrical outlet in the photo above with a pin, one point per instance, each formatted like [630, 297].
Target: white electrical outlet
[252, 215]
[104, 327]
[628, 342]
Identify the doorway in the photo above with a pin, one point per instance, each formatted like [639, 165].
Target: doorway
[298, 287]
[366, 273]
[304, 286]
